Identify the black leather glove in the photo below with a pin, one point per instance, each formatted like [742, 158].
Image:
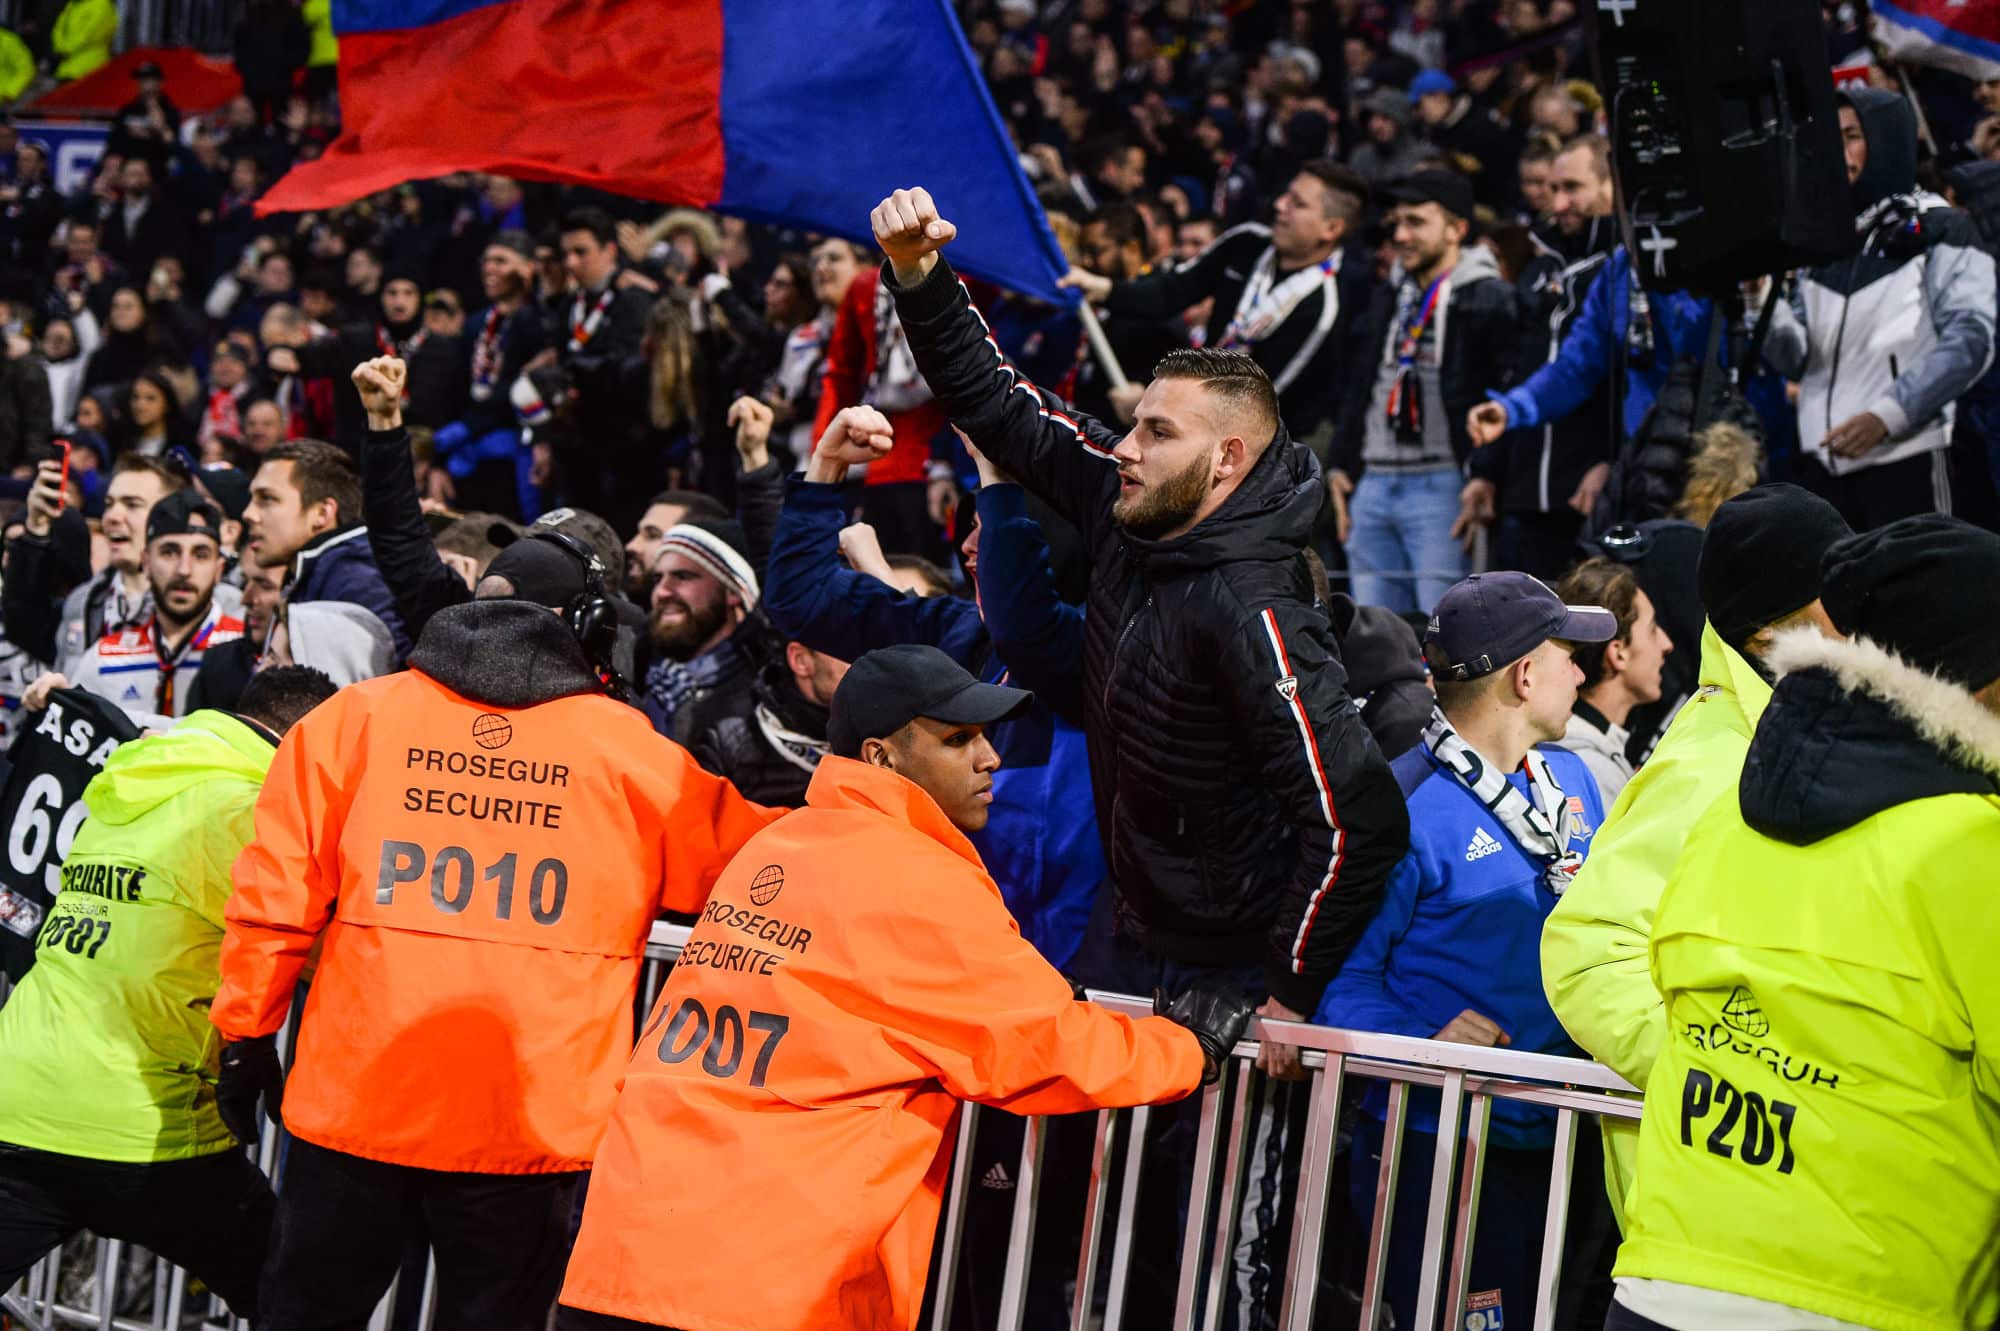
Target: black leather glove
[250, 1068]
[1217, 1014]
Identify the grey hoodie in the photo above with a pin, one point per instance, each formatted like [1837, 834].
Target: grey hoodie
[349, 642]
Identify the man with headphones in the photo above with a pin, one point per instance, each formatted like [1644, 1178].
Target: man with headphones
[478, 846]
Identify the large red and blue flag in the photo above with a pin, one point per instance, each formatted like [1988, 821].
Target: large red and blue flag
[1962, 35]
[802, 113]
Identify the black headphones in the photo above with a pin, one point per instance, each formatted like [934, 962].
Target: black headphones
[591, 616]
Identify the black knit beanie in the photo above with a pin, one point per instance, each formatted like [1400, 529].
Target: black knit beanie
[1760, 558]
[1928, 589]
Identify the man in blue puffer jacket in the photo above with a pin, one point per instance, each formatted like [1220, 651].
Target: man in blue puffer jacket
[1041, 843]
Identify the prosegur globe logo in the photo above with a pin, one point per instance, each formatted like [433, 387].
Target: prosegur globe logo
[1742, 1013]
[492, 731]
[770, 881]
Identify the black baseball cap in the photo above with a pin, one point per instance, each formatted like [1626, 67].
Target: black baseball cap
[541, 572]
[892, 686]
[579, 524]
[1491, 620]
[227, 486]
[1448, 189]
[182, 513]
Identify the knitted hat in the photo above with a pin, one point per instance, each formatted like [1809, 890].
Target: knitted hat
[1927, 588]
[1760, 558]
[718, 546]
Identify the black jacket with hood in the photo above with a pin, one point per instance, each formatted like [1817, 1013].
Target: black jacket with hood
[1247, 813]
[1852, 731]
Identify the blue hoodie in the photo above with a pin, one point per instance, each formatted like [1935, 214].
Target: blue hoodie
[1040, 841]
[1460, 927]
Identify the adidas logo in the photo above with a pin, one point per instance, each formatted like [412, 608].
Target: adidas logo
[1483, 844]
[996, 1178]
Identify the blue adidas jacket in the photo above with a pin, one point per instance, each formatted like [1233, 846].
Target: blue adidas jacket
[1040, 842]
[1461, 927]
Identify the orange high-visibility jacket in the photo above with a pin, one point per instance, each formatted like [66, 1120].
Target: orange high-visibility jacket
[484, 879]
[780, 1145]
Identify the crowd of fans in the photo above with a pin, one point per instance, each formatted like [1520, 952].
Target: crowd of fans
[1405, 215]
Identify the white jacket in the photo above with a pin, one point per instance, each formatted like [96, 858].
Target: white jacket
[1901, 330]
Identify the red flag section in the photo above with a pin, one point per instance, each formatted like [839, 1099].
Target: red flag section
[627, 102]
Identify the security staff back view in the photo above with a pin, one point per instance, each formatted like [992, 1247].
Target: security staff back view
[482, 843]
[778, 1152]
[1822, 1129]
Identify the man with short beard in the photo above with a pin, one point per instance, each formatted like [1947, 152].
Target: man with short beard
[1249, 820]
[1550, 476]
[183, 562]
[702, 623]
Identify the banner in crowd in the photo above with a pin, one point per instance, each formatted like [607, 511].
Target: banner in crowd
[794, 112]
[74, 150]
[42, 806]
[1951, 34]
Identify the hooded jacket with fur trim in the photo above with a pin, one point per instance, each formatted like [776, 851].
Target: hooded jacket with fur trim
[1822, 1128]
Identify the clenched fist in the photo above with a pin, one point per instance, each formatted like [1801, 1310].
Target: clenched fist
[381, 383]
[909, 230]
[856, 436]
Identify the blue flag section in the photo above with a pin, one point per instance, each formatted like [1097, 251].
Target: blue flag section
[826, 108]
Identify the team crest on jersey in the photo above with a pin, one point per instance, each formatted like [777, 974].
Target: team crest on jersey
[1578, 826]
[1288, 687]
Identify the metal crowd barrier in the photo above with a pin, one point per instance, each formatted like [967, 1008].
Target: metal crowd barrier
[1469, 1080]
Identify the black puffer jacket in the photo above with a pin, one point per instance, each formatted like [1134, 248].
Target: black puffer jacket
[765, 739]
[1246, 812]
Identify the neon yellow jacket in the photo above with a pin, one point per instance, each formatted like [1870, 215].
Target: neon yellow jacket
[17, 66]
[318, 16]
[1594, 963]
[106, 1050]
[83, 35]
[1822, 1128]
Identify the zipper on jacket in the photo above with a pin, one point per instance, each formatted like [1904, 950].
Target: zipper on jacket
[1833, 371]
[1894, 373]
[1118, 648]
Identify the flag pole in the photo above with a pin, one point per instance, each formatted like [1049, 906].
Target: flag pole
[1101, 346]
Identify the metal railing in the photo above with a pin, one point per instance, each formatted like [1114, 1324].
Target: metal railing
[1469, 1080]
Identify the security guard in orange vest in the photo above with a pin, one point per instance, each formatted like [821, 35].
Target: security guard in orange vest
[778, 1152]
[480, 846]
